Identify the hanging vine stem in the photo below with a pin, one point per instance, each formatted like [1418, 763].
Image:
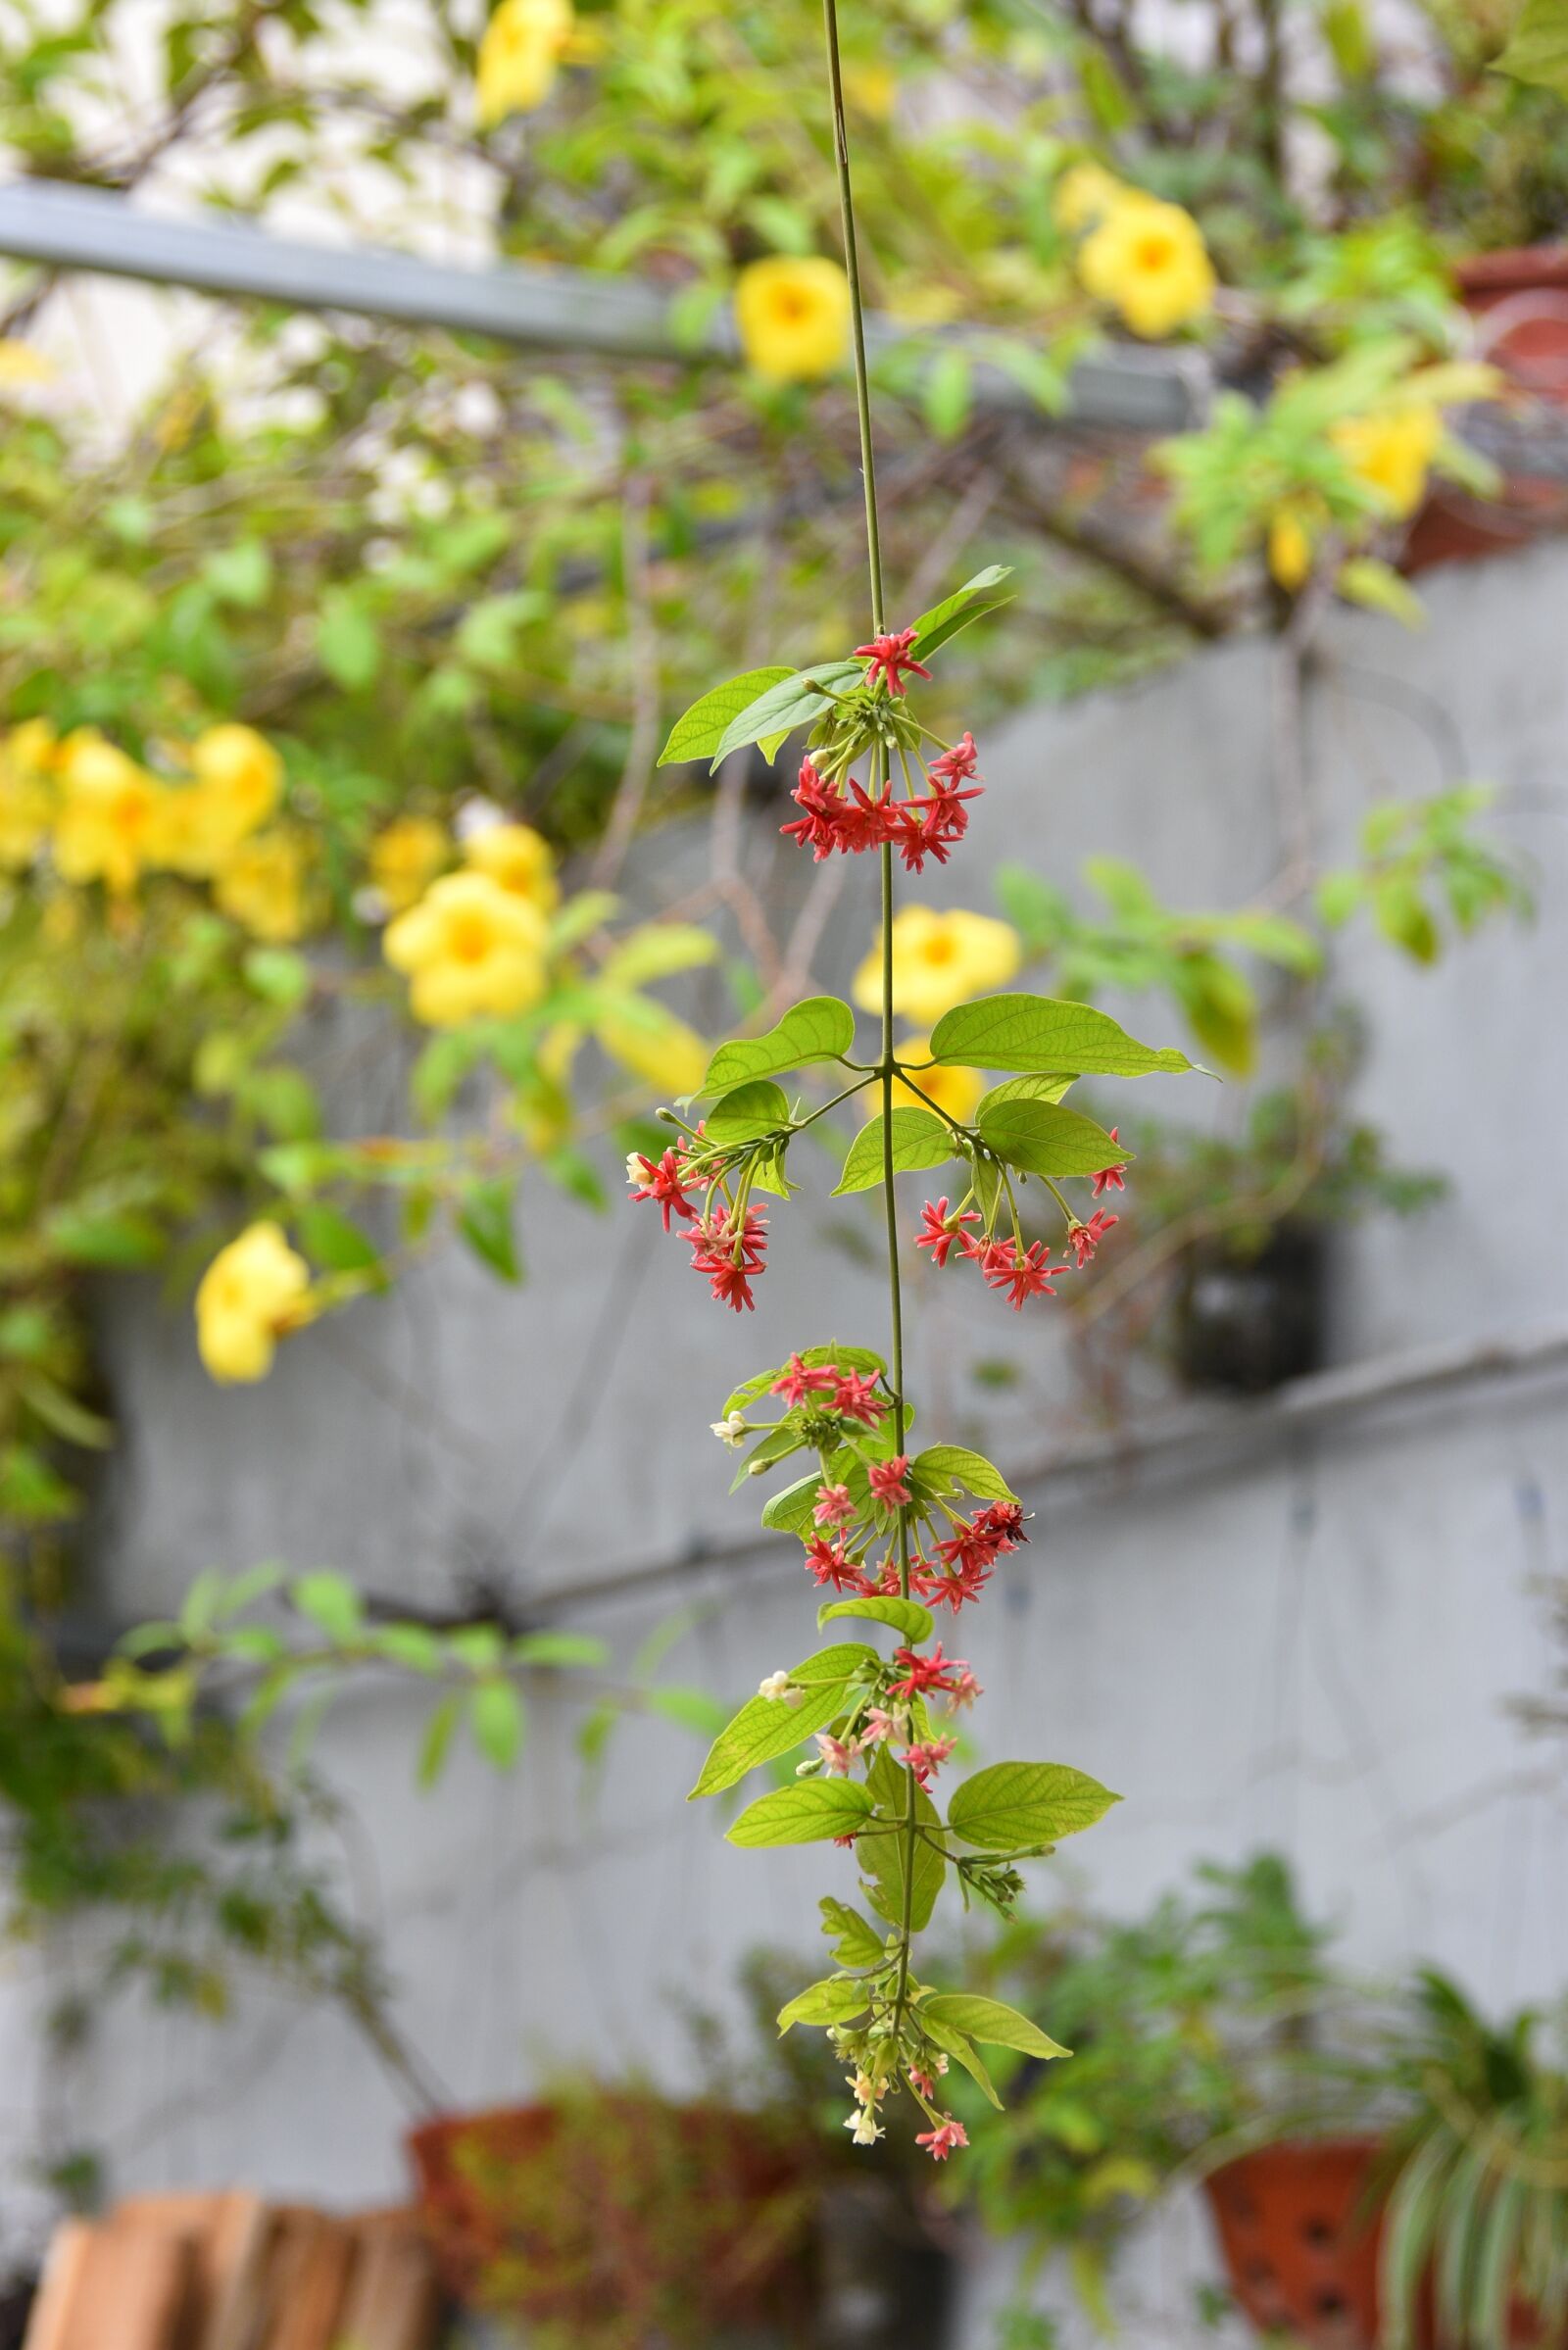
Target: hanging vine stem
[883, 1537]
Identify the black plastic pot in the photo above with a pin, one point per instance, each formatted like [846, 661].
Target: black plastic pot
[1249, 1319]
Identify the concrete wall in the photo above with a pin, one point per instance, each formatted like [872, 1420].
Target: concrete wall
[1303, 1631]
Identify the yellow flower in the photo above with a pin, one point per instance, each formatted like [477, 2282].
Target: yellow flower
[469, 948]
[1391, 452]
[22, 366]
[252, 1292]
[520, 860]
[670, 1059]
[1148, 260]
[262, 885]
[871, 88]
[241, 773]
[111, 820]
[26, 792]
[1290, 545]
[1084, 194]
[956, 1091]
[406, 858]
[519, 57]
[793, 315]
[938, 961]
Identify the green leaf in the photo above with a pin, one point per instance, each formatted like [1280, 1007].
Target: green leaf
[747, 1113]
[657, 951]
[1036, 1032]
[333, 1240]
[807, 1813]
[883, 1856]
[990, 2020]
[1537, 51]
[1044, 1139]
[767, 1727]
[62, 1411]
[441, 1722]
[558, 1648]
[962, 2052]
[940, 1466]
[846, 1661]
[331, 1602]
[485, 1223]
[792, 1511]
[796, 701]
[835, 1999]
[348, 644]
[1013, 1804]
[933, 628]
[496, 1719]
[279, 975]
[414, 1647]
[700, 732]
[1039, 1088]
[904, 1615]
[858, 1944]
[821, 1029]
[1378, 587]
[919, 1140]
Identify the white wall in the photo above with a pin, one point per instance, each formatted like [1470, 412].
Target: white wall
[1304, 1634]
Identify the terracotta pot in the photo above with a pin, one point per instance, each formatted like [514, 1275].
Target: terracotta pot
[1300, 2226]
[1519, 301]
[516, 2233]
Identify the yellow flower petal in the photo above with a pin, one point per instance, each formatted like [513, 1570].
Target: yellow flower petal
[520, 860]
[252, 1292]
[793, 316]
[939, 959]
[469, 949]
[1149, 262]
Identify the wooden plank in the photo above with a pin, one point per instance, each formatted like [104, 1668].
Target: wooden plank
[308, 2282]
[63, 2268]
[394, 2302]
[125, 2289]
[231, 2236]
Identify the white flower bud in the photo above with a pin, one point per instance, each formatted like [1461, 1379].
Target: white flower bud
[634, 1167]
[731, 1431]
[776, 1687]
[863, 2125]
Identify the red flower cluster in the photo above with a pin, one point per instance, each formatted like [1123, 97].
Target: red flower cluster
[943, 1674]
[926, 1760]
[664, 1180]
[918, 826]
[1084, 1238]
[889, 657]
[730, 1255]
[886, 1479]
[968, 1556]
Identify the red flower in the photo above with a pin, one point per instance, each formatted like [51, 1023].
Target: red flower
[1026, 1276]
[849, 822]
[939, 1229]
[933, 1672]
[662, 1180]
[796, 1382]
[889, 657]
[834, 1506]
[971, 1545]
[886, 1480]
[1110, 1179]
[888, 1584]
[964, 1691]
[942, 2139]
[818, 828]
[831, 1563]
[729, 1258]
[960, 764]
[919, 833]
[1003, 1522]
[923, 2082]
[856, 1398]
[845, 1843]
[926, 1760]
[961, 1584]
[1084, 1238]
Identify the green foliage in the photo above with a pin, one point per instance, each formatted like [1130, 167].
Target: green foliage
[1032, 1033]
[1011, 1807]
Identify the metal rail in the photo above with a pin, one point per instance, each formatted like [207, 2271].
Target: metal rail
[63, 226]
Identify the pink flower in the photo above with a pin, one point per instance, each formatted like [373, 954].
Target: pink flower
[818, 828]
[922, 833]
[940, 1228]
[834, 1506]
[923, 2082]
[970, 1545]
[856, 1398]
[845, 1843]
[663, 1179]
[796, 1381]
[957, 766]
[730, 1257]
[944, 2139]
[886, 1480]
[963, 1690]
[837, 1756]
[951, 1590]
[831, 1564]
[1002, 1521]
[888, 1584]
[925, 1760]
[1110, 1179]
[1026, 1276]
[1084, 1238]
[878, 1725]
[933, 1672]
[889, 657]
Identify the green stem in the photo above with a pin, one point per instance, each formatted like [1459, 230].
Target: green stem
[873, 549]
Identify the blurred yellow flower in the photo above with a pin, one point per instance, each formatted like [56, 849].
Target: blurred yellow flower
[938, 961]
[468, 947]
[407, 856]
[670, 1059]
[871, 88]
[1149, 262]
[956, 1091]
[26, 792]
[520, 860]
[519, 57]
[252, 1292]
[1291, 545]
[1391, 453]
[22, 366]
[793, 315]
[1084, 194]
[111, 820]
[262, 885]
[241, 773]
